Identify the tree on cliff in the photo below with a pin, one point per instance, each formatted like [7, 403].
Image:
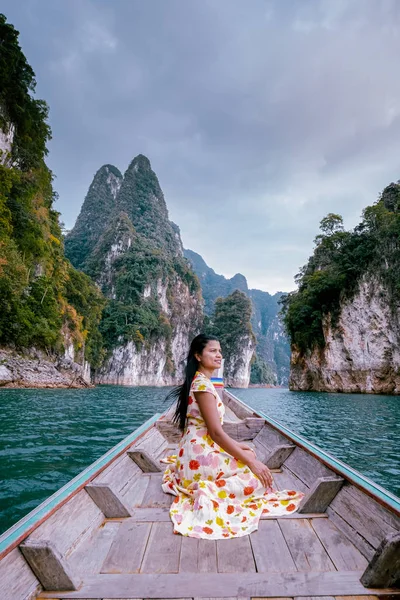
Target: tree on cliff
[231, 323]
[340, 259]
[38, 287]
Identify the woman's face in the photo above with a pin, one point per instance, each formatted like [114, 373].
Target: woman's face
[211, 356]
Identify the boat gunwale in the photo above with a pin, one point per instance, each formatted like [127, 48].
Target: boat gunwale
[391, 502]
[71, 488]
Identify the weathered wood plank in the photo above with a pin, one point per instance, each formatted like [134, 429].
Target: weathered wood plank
[127, 550]
[144, 460]
[88, 558]
[69, 525]
[17, 588]
[207, 556]
[384, 568]
[169, 430]
[270, 438]
[163, 550]
[278, 455]
[237, 407]
[356, 597]
[342, 552]
[230, 416]
[378, 512]
[133, 495]
[270, 549]
[119, 473]
[153, 443]
[286, 480]
[189, 585]
[367, 524]
[49, 566]
[307, 551]
[235, 555]
[108, 500]
[154, 496]
[321, 597]
[320, 494]
[244, 430]
[306, 467]
[198, 556]
[189, 555]
[355, 538]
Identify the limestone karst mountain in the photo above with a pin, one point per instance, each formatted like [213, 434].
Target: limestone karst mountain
[124, 240]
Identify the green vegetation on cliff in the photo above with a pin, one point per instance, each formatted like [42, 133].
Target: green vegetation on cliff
[341, 258]
[39, 299]
[231, 324]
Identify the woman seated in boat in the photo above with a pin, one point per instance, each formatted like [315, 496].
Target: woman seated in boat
[221, 488]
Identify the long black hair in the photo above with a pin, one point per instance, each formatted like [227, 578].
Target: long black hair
[181, 392]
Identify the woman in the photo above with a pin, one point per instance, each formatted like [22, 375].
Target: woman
[221, 488]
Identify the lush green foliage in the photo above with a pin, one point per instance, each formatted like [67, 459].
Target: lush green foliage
[340, 259]
[231, 322]
[35, 278]
[261, 372]
[17, 107]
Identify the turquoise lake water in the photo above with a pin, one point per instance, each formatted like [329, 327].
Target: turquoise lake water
[49, 436]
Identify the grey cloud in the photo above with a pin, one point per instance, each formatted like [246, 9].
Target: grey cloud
[259, 118]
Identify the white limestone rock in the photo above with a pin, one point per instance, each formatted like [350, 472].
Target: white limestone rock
[361, 354]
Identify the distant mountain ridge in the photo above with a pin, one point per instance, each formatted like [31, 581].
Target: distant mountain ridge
[272, 344]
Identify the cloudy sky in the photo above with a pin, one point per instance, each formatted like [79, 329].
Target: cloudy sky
[259, 117]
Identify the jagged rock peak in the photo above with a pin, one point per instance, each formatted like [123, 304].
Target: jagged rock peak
[143, 201]
[140, 162]
[97, 210]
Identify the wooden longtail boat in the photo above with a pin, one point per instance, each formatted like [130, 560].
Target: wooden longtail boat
[107, 534]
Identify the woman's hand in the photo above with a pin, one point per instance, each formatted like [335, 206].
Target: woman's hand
[262, 472]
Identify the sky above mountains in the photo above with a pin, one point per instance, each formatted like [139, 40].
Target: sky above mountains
[258, 117]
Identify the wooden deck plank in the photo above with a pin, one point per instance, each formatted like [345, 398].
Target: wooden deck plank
[270, 549]
[127, 549]
[189, 555]
[207, 556]
[223, 585]
[198, 556]
[154, 495]
[307, 551]
[90, 555]
[235, 555]
[343, 553]
[163, 550]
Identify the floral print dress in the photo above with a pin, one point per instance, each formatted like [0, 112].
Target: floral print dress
[217, 496]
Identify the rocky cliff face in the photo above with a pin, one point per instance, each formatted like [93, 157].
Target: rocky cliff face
[237, 367]
[34, 369]
[362, 351]
[272, 344]
[134, 253]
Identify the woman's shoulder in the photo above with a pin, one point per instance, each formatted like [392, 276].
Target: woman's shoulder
[201, 383]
